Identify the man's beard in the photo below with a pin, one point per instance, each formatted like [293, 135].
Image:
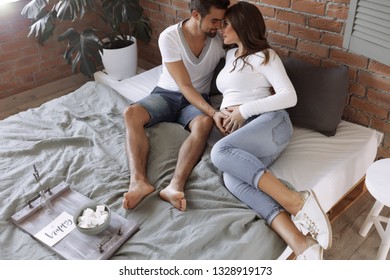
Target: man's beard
[211, 33]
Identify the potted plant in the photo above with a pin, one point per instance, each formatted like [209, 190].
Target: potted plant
[125, 21]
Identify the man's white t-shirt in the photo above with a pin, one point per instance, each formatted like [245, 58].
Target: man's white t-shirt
[173, 47]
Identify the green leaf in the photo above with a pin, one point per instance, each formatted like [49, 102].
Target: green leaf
[73, 9]
[143, 30]
[43, 27]
[82, 51]
[34, 8]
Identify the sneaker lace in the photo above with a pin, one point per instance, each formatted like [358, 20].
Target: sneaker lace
[311, 226]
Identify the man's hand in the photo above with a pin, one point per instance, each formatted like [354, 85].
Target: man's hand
[218, 118]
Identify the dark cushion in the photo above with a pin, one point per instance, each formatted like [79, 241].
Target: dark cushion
[322, 93]
[213, 87]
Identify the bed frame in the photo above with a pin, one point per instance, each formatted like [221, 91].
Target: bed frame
[79, 139]
[352, 188]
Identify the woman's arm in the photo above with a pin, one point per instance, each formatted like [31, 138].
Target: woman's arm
[284, 96]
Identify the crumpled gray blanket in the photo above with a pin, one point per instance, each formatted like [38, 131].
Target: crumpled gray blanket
[79, 138]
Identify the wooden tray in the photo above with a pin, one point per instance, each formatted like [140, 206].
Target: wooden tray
[75, 245]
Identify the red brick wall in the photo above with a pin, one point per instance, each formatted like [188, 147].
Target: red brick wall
[24, 64]
[309, 29]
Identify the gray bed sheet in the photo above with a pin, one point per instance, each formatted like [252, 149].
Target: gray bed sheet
[79, 138]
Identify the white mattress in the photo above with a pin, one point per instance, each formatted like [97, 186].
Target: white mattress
[133, 88]
[330, 166]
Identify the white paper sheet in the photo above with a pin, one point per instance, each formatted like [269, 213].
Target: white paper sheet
[57, 229]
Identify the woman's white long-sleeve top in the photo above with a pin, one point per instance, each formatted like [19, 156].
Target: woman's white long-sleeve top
[250, 87]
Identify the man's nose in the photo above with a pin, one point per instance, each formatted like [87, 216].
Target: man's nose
[219, 24]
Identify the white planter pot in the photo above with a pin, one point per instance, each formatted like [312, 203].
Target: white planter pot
[121, 63]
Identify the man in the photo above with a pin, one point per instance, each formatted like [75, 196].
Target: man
[190, 51]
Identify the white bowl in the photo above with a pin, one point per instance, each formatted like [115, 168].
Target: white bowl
[96, 229]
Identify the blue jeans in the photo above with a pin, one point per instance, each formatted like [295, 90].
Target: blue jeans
[245, 155]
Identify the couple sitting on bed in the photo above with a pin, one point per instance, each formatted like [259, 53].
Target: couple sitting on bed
[254, 123]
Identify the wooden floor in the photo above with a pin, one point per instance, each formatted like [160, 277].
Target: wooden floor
[347, 243]
[37, 96]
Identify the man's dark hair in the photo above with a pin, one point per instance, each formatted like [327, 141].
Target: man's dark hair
[203, 6]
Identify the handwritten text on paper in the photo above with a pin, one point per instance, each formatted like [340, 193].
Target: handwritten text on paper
[57, 229]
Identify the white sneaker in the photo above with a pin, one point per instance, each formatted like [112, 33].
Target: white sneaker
[311, 219]
[314, 252]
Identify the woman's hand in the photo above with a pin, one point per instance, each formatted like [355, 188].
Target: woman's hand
[233, 120]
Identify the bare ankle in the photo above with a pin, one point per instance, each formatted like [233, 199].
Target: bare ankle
[175, 185]
[296, 203]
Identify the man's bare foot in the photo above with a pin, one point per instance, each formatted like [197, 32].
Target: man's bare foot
[135, 194]
[175, 197]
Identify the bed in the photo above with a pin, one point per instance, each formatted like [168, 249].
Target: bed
[79, 139]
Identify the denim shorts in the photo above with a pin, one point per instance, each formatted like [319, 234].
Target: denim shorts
[169, 106]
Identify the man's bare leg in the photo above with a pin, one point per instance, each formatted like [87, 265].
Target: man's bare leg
[189, 155]
[137, 148]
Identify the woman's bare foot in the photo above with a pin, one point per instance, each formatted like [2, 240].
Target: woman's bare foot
[137, 191]
[175, 197]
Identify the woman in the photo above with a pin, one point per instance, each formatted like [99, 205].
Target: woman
[257, 129]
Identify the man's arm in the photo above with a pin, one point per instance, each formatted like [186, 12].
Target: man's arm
[180, 74]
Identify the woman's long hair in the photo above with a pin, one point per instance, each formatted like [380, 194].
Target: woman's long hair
[248, 22]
